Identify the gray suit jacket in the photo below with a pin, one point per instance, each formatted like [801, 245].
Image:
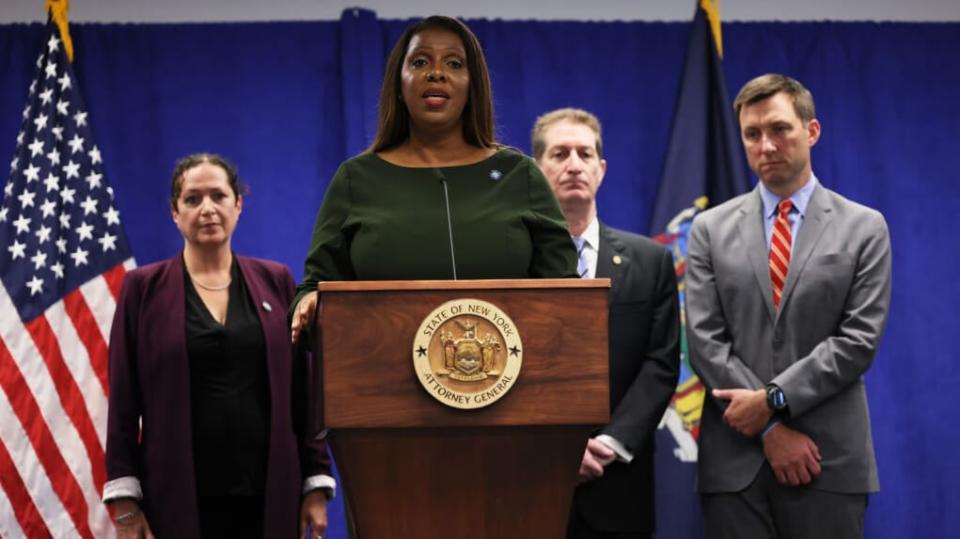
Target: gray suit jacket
[816, 348]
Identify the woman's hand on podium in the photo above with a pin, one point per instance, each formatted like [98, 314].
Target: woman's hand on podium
[303, 315]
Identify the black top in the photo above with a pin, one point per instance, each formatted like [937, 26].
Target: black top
[228, 392]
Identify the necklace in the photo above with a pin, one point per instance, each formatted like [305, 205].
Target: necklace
[211, 288]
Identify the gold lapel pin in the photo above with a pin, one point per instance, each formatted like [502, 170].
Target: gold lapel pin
[617, 260]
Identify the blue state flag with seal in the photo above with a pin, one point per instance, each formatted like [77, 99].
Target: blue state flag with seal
[704, 165]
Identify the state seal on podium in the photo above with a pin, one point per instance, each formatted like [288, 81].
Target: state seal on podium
[467, 353]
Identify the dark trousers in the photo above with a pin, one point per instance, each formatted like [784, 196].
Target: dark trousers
[233, 517]
[769, 510]
[577, 528]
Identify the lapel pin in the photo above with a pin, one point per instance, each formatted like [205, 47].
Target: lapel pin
[267, 307]
[617, 260]
[495, 174]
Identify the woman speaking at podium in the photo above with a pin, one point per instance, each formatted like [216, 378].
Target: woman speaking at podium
[435, 196]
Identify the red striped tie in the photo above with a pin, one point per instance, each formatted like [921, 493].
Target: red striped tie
[780, 250]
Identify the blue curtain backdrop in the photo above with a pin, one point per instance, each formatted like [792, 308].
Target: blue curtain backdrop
[288, 101]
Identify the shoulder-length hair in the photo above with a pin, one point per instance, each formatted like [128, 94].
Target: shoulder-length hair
[393, 126]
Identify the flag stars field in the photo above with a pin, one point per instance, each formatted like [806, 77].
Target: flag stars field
[71, 169]
[54, 156]
[22, 223]
[26, 198]
[84, 231]
[32, 173]
[41, 122]
[79, 256]
[48, 208]
[93, 180]
[39, 259]
[36, 285]
[17, 250]
[51, 182]
[76, 144]
[89, 206]
[108, 242]
[36, 148]
[43, 234]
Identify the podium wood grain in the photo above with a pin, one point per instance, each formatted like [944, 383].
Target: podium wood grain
[413, 467]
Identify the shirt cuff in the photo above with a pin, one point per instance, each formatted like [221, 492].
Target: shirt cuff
[122, 487]
[321, 481]
[623, 454]
[768, 428]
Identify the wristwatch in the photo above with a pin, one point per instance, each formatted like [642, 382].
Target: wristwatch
[776, 400]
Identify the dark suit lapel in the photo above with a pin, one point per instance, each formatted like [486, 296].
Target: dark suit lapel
[751, 230]
[818, 216]
[609, 250]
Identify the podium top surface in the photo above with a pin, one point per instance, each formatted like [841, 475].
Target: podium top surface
[462, 284]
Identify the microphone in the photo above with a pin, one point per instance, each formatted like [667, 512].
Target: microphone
[446, 200]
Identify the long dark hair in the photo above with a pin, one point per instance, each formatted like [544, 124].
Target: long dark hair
[393, 126]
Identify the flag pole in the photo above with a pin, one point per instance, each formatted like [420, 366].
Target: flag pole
[59, 11]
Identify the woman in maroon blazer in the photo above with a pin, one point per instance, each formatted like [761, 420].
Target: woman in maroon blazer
[207, 397]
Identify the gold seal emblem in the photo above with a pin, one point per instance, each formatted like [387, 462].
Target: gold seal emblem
[467, 353]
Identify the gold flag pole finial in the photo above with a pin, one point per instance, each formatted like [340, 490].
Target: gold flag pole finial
[712, 9]
[59, 10]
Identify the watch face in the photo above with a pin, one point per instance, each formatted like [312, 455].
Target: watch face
[776, 398]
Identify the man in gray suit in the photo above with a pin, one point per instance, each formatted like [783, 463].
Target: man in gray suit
[788, 288]
[615, 497]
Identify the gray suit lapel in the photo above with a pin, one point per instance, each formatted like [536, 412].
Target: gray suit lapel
[751, 230]
[818, 216]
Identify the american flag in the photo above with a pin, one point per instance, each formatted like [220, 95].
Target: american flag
[63, 255]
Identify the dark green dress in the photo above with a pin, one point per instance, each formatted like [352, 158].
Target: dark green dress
[382, 221]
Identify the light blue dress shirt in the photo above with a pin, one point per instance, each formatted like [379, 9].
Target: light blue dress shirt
[800, 200]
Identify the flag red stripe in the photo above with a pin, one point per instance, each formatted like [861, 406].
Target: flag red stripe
[42, 440]
[28, 517]
[79, 312]
[70, 396]
[114, 278]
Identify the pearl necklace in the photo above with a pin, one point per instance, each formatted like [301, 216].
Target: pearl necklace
[211, 288]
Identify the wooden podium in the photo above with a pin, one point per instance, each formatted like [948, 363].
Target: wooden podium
[413, 467]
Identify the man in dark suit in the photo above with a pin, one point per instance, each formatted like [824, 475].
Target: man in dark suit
[615, 496]
[788, 288]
